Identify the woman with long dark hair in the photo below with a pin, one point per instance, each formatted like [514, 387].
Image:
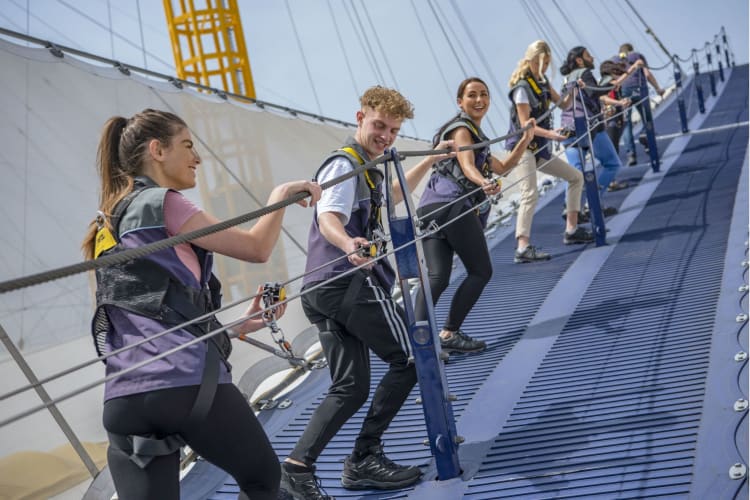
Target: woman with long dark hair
[453, 178]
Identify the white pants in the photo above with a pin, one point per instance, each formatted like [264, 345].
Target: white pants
[526, 170]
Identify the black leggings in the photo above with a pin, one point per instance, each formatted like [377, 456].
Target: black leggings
[230, 437]
[466, 238]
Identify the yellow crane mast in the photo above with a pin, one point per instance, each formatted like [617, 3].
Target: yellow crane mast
[209, 45]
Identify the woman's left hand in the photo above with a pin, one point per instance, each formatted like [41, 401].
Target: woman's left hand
[256, 322]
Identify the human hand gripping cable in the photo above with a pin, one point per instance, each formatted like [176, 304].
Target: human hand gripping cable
[257, 320]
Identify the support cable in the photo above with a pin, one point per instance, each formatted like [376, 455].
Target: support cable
[304, 58]
[370, 53]
[227, 327]
[435, 59]
[343, 47]
[382, 51]
[478, 50]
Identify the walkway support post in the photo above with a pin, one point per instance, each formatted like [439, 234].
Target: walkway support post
[647, 118]
[711, 78]
[584, 145]
[718, 60]
[423, 335]
[698, 85]
[680, 98]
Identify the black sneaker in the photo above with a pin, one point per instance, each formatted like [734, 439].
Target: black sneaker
[460, 342]
[609, 211]
[302, 485]
[632, 160]
[377, 472]
[580, 235]
[530, 254]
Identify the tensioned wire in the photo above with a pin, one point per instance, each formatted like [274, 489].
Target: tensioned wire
[431, 230]
[227, 327]
[233, 323]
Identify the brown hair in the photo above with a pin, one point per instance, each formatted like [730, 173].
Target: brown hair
[459, 94]
[387, 101]
[121, 155]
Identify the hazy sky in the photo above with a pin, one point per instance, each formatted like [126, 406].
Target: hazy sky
[319, 55]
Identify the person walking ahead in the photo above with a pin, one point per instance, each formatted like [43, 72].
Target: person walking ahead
[530, 96]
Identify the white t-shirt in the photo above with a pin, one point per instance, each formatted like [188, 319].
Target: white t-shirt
[520, 96]
[341, 197]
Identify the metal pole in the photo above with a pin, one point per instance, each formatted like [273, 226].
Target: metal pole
[680, 98]
[726, 46]
[644, 108]
[589, 171]
[718, 60]
[698, 85]
[711, 78]
[41, 391]
[423, 335]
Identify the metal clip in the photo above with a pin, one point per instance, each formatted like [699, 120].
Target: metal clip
[100, 219]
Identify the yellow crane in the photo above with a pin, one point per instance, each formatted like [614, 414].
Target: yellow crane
[209, 45]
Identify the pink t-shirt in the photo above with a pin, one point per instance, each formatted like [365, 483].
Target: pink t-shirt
[177, 211]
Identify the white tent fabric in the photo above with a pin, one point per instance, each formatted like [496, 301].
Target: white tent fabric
[54, 109]
[53, 113]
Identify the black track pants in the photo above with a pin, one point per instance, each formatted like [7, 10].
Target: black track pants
[376, 323]
[466, 238]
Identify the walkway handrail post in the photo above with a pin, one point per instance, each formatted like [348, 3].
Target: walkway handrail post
[680, 98]
[726, 46]
[647, 118]
[44, 396]
[423, 335]
[698, 85]
[718, 59]
[711, 78]
[583, 138]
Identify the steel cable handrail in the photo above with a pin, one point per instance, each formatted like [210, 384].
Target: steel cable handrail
[243, 318]
[228, 223]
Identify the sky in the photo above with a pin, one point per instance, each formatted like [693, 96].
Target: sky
[320, 55]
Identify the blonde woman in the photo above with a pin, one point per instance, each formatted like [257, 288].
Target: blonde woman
[531, 96]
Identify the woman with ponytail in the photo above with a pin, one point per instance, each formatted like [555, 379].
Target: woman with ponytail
[530, 97]
[186, 397]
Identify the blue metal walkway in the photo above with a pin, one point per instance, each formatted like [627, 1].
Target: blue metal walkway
[611, 371]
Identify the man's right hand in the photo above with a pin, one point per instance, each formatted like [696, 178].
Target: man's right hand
[352, 248]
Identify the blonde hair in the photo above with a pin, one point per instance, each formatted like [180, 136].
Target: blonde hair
[537, 50]
[388, 101]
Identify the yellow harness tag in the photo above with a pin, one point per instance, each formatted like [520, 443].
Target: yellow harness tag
[104, 241]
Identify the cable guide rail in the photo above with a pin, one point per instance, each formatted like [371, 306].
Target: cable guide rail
[139, 252]
[135, 253]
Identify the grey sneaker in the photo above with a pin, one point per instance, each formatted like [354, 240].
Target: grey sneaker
[460, 342]
[579, 236]
[302, 485]
[530, 254]
[377, 472]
